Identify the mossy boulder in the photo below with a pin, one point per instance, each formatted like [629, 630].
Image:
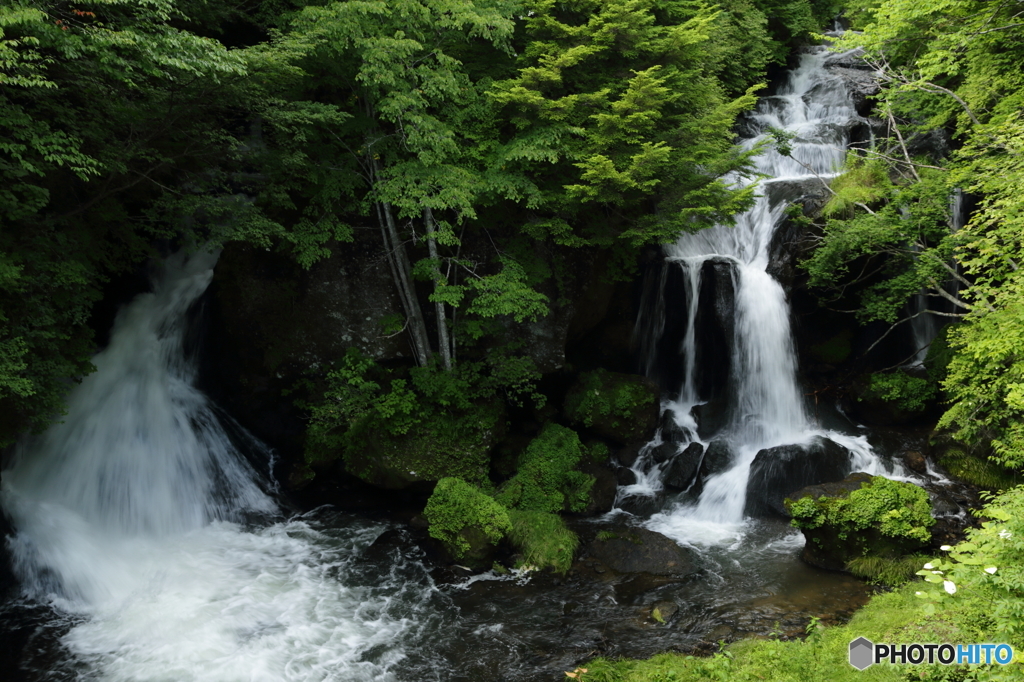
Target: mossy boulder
[468, 523]
[858, 517]
[620, 407]
[447, 444]
[548, 479]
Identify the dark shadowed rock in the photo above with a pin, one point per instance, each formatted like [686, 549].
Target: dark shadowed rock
[625, 476]
[628, 455]
[671, 432]
[682, 470]
[717, 459]
[711, 417]
[779, 471]
[664, 452]
[915, 461]
[638, 550]
[602, 494]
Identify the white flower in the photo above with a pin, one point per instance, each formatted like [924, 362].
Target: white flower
[945, 548]
[929, 565]
[936, 572]
[991, 569]
[919, 594]
[949, 586]
[1005, 534]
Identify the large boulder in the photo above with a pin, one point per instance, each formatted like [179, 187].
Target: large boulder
[778, 471]
[620, 407]
[717, 458]
[638, 550]
[682, 471]
[861, 516]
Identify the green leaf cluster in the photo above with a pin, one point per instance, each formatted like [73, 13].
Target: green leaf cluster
[894, 508]
[456, 506]
[547, 480]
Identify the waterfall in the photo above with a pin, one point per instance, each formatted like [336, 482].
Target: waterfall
[767, 406]
[140, 522]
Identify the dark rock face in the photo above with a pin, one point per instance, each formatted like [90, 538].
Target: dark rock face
[671, 432]
[602, 494]
[664, 452]
[682, 471]
[776, 472]
[628, 455]
[624, 476]
[790, 242]
[915, 461]
[717, 458]
[858, 76]
[638, 550]
[711, 417]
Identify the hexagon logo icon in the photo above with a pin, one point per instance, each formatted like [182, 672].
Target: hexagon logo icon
[862, 653]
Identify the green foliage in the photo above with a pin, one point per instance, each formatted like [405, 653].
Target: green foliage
[887, 571]
[422, 420]
[546, 480]
[978, 469]
[894, 508]
[543, 539]
[601, 397]
[456, 507]
[909, 393]
[951, 64]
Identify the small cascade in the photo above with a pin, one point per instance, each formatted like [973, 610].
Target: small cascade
[765, 405]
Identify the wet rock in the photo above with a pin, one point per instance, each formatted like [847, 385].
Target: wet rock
[777, 472]
[642, 505]
[671, 432]
[664, 452]
[682, 470]
[711, 417]
[625, 476]
[628, 455]
[638, 550]
[717, 458]
[602, 493]
[915, 461]
[624, 408]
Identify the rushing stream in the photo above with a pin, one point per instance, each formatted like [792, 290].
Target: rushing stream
[149, 545]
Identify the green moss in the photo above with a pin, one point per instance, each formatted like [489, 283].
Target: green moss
[547, 480]
[598, 452]
[460, 516]
[543, 539]
[834, 350]
[623, 406]
[893, 508]
[443, 444]
[981, 471]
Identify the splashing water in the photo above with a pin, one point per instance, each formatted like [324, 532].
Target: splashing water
[132, 517]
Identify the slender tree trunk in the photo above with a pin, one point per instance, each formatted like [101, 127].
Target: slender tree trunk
[442, 321]
[401, 272]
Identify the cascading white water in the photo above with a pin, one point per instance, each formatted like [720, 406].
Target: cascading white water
[129, 515]
[768, 407]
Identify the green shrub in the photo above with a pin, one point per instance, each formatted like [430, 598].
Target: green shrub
[459, 514]
[895, 509]
[543, 539]
[619, 406]
[547, 480]
[909, 393]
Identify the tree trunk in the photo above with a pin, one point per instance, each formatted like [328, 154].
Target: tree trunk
[442, 322]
